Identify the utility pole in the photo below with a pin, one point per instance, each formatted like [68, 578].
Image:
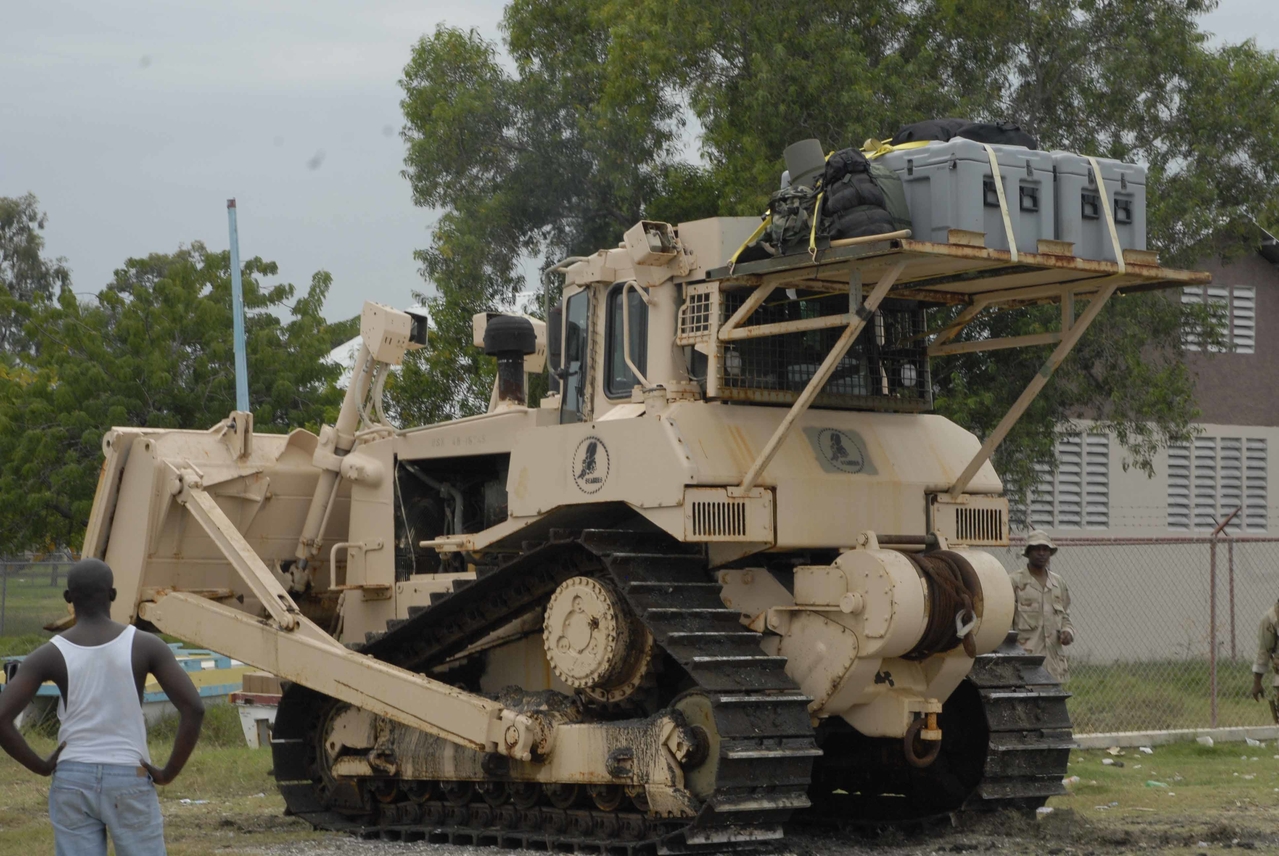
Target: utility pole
[237, 314]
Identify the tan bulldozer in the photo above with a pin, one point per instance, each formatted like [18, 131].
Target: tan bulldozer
[726, 574]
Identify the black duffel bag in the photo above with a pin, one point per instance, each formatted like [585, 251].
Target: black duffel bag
[998, 134]
[941, 130]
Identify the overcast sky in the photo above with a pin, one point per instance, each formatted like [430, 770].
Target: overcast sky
[134, 122]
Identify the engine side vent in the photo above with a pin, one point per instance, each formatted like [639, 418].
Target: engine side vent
[719, 519]
[710, 514]
[979, 524]
[972, 520]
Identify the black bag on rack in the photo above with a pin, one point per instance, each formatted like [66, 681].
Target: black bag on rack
[856, 198]
[997, 134]
[941, 130]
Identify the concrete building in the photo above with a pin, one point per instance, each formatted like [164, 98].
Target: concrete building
[1138, 600]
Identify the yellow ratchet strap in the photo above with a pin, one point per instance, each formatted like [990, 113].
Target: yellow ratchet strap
[812, 233]
[874, 148]
[768, 218]
[1003, 202]
[1110, 215]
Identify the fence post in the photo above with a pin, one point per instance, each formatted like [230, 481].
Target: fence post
[1212, 627]
[1230, 564]
[4, 591]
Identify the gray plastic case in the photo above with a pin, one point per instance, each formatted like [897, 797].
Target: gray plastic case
[950, 186]
[1080, 219]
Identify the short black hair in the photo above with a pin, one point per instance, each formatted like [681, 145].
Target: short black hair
[90, 581]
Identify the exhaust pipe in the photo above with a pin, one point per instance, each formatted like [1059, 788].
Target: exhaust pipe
[510, 339]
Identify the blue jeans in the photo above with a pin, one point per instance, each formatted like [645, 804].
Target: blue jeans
[88, 800]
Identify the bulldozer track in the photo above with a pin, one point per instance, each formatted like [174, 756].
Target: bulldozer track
[767, 743]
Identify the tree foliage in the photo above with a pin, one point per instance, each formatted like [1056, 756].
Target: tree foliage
[579, 136]
[26, 275]
[154, 348]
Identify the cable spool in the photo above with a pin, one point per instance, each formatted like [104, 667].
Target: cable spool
[954, 603]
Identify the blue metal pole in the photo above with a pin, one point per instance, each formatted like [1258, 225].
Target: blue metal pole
[237, 314]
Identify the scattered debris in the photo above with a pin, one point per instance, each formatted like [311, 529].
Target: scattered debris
[1146, 750]
[1070, 780]
[1043, 810]
[1205, 740]
[186, 801]
[1115, 750]
[1252, 742]
[1151, 783]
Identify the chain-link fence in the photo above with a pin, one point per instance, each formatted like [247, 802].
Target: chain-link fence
[1166, 629]
[31, 594]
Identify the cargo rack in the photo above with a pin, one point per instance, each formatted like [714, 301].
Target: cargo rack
[962, 273]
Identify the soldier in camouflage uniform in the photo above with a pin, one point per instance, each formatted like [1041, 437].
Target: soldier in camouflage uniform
[1267, 654]
[1042, 617]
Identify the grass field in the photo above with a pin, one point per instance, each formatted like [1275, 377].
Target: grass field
[1151, 696]
[243, 808]
[30, 602]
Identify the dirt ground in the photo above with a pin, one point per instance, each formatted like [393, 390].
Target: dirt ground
[1062, 833]
[1183, 799]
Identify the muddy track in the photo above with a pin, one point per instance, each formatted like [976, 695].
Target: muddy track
[1006, 745]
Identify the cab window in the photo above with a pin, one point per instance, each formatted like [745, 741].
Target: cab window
[619, 380]
[576, 323]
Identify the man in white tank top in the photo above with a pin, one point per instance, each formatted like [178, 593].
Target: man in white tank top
[103, 778]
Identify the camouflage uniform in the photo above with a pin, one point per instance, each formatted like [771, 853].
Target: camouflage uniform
[1267, 643]
[1041, 614]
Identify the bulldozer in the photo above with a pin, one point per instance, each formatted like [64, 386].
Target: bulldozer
[727, 573]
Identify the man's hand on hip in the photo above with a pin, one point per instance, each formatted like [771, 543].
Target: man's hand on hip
[51, 763]
[1065, 637]
[160, 777]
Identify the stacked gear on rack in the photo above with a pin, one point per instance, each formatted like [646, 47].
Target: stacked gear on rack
[946, 177]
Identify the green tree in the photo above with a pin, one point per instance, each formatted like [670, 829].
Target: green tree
[551, 159]
[154, 348]
[26, 276]
[579, 140]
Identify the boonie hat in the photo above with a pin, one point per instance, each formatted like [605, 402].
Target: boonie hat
[1039, 538]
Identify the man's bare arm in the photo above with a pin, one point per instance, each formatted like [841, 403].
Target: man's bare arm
[184, 696]
[40, 666]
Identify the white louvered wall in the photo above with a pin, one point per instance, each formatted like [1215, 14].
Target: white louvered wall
[1077, 496]
[1211, 477]
[1236, 306]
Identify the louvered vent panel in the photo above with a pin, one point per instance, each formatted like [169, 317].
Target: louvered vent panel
[974, 520]
[1097, 481]
[1230, 495]
[979, 524]
[1070, 476]
[719, 519]
[1243, 319]
[1205, 482]
[710, 514]
[1179, 486]
[1255, 506]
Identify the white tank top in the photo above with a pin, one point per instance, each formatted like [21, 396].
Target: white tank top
[101, 716]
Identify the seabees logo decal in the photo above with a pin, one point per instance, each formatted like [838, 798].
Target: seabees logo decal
[590, 465]
[840, 450]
